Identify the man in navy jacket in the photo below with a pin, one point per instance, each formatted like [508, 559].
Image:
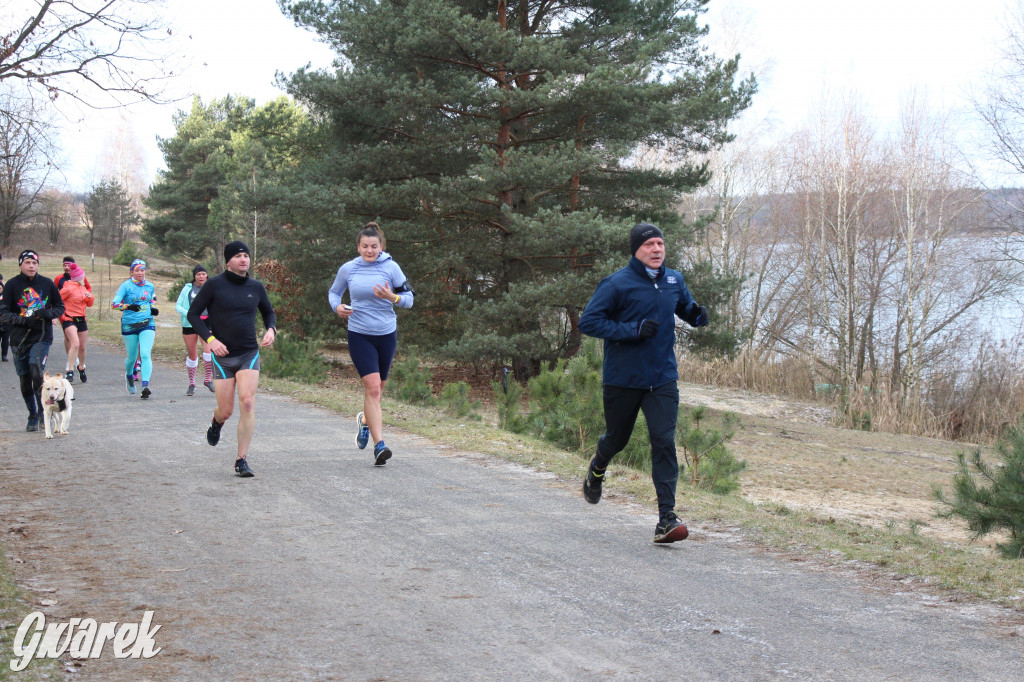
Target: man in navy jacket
[634, 311]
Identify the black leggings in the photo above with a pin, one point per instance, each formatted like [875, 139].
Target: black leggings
[5, 341]
[31, 388]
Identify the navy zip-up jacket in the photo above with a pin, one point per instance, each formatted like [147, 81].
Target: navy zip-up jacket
[620, 303]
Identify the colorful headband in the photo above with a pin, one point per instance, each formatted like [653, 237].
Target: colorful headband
[28, 254]
[136, 263]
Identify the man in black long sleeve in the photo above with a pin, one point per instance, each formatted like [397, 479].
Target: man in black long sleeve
[30, 302]
[231, 300]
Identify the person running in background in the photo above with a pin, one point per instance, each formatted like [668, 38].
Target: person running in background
[76, 331]
[188, 333]
[136, 299]
[232, 299]
[60, 281]
[5, 329]
[65, 276]
[634, 311]
[30, 302]
[375, 285]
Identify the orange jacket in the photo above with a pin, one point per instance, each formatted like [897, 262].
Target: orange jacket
[76, 299]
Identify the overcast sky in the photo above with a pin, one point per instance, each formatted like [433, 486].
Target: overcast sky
[880, 49]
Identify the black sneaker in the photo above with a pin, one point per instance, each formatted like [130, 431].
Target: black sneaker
[129, 384]
[381, 454]
[70, 376]
[33, 423]
[242, 469]
[81, 375]
[191, 391]
[4, 359]
[670, 529]
[209, 385]
[213, 433]
[592, 484]
[146, 393]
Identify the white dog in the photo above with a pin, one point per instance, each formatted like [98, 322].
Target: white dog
[57, 395]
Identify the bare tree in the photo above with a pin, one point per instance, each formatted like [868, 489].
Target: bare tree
[27, 155]
[1001, 102]
[57, 214]
[124, 162]
[99, 52]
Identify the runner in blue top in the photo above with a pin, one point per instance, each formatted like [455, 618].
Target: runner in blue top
[188, 333]
[375, 285]
[136, 298]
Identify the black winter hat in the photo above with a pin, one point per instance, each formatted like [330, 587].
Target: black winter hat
[233, 249]
[640, 234]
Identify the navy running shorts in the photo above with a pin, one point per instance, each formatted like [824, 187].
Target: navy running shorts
[372, 354]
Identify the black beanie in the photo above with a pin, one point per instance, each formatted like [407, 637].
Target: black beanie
[233, 249]
[641, 233]
[196, 270]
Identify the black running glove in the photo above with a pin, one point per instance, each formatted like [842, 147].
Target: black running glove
[134, 307]
[647, 329]
[154, 311]
[702, 317]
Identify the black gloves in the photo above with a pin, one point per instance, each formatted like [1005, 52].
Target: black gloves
[154, 311]
[647, 329]
[134, 307]
[701, 320]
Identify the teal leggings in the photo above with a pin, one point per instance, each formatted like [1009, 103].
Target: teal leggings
[139, 345]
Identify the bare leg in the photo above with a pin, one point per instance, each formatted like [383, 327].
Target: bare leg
[224, 389]
[372, 389]
[191, 341]
[83, 337]
[71, 344]
[247, 381]
[67, 343]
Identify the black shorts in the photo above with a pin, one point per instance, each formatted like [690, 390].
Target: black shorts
[77, 322]
[226, 366]
[188, 331]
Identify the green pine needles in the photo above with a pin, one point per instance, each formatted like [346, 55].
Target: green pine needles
[409, 381]
[290, 357]
[126, 254]
[990, 497]
[566, 404]
[499, 147]
[712, 466]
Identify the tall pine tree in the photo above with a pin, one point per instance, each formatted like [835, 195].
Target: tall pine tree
[222, 176]
[495, 142]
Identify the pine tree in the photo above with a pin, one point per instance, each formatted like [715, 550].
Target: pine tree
[109, 214]
[991, 497]
[222, 177]
[495, 142]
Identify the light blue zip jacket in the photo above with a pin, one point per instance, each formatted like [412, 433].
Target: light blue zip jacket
[129, 292]
[371, 315]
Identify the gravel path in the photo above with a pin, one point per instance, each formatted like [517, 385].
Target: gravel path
[439, 565]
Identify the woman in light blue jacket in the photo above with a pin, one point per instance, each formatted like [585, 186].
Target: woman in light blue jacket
[136, 299]
[188, 293]
[375, 285]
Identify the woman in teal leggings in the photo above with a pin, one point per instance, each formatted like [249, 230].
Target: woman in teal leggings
[136, 298]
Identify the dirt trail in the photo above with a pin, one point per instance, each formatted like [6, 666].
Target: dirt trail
[438, 565]
[796, 458]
